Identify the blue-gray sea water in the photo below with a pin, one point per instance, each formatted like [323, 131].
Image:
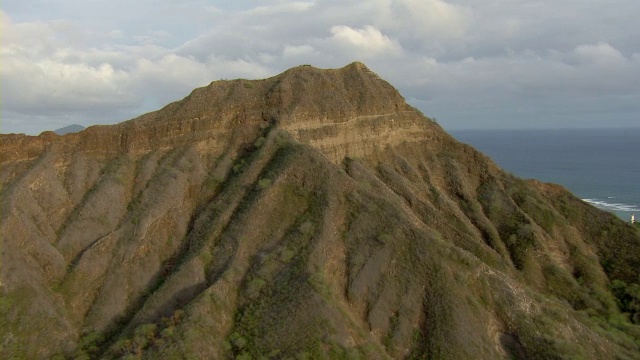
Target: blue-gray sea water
[601, 166]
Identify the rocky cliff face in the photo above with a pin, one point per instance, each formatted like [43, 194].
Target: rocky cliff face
[312, 214]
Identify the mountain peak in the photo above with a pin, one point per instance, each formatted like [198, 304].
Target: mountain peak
[311, 103]
[69, 129]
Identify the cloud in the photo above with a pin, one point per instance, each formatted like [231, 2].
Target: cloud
[429, 18]
[528, 89]
[368, 40]
[280, 8]
[601, 53]
[39, 74]
[292, 51]
[50, 86]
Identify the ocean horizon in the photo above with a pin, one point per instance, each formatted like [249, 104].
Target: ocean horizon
[601, 166]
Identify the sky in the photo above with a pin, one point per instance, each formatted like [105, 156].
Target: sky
[469, 64]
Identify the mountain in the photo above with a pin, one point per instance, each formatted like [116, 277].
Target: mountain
[69, 129]
[314, 214]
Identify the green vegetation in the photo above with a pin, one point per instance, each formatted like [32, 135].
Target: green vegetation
[628, 299]
[147, 336]
[259, 142]
[264, 183]
[89, 345]
[533, 205]
[239, 166]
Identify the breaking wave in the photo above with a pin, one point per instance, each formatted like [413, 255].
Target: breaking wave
[611, 206]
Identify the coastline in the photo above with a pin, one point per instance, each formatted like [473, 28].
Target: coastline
[598, 165]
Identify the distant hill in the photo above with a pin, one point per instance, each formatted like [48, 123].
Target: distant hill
[69, 129]
[311, 215]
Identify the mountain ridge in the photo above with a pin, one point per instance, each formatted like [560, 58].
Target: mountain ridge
[312, 214]
[69, 129]
[206, 110]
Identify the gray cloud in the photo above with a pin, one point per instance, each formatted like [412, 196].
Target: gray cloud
[497, 63]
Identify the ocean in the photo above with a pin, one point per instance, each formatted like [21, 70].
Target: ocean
[601, 166]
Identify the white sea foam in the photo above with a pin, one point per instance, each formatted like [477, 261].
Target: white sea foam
[612, 206]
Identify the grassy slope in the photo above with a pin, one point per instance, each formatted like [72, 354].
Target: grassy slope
[294, 256]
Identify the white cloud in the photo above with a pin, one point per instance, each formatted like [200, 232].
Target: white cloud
[369, 40]
[46, 83]
[601, 53]
[280, 8]
[291, 51]
[38, 77]
[430, 18]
